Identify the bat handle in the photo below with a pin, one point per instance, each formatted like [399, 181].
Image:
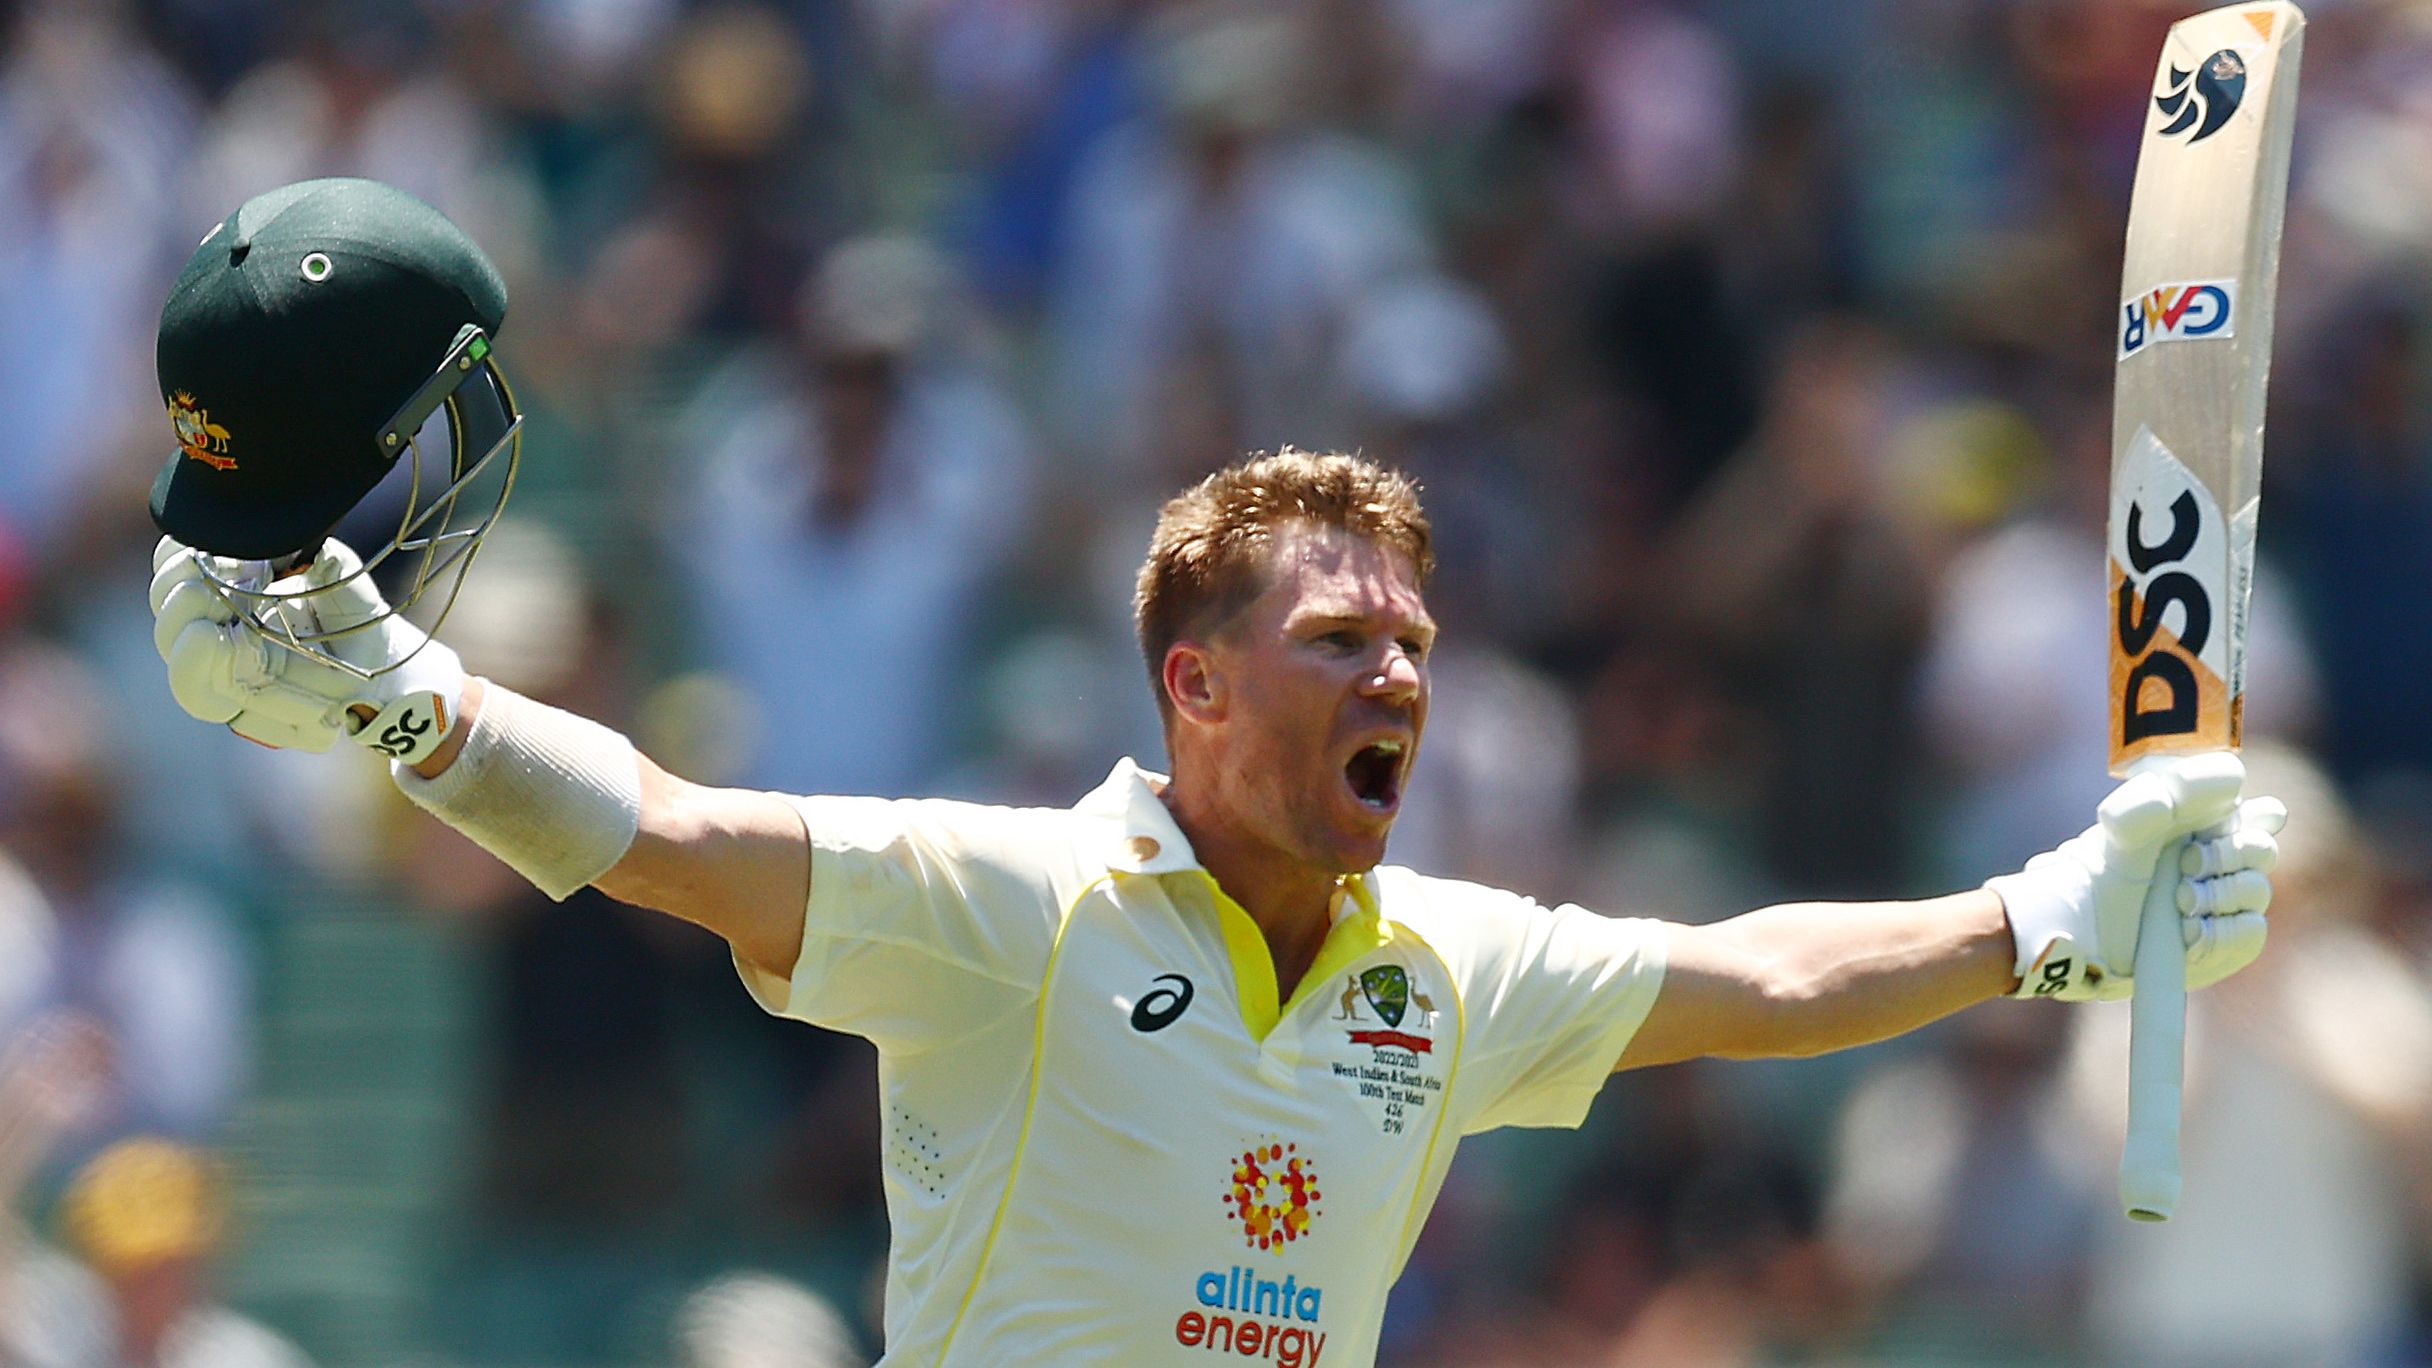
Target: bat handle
[2157, 1058]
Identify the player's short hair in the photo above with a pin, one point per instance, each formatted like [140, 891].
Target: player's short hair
[1208, 557]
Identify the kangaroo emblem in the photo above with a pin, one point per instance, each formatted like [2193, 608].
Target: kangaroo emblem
[1351, 1002]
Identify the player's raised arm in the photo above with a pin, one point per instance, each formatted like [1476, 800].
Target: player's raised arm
[327, 337]
[564, 801]
[1809, 978]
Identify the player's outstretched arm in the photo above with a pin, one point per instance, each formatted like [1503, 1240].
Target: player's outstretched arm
[735, 861]
[1808, 978]
[564, 801]
[1804, 979]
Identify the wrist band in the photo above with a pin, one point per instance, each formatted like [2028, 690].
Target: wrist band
[556, 796]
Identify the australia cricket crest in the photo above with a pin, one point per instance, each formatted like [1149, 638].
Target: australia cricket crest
[1396, 1071]
[1387, 988]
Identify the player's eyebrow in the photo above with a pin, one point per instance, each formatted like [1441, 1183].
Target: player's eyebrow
[1422, 625]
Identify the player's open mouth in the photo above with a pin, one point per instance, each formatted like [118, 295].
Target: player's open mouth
[1375, 775]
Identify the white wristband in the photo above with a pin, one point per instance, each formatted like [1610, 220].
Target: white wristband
[556, 796]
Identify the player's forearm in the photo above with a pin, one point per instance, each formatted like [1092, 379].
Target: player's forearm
[1836, 975]
[567, 802]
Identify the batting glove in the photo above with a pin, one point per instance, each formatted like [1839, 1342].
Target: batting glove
[225, 668]
[2073, 911]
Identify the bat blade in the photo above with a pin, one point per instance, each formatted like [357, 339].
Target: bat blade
[2194, 334]
[2194, 359]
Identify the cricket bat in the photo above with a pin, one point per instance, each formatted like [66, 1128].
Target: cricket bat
[2195, 349]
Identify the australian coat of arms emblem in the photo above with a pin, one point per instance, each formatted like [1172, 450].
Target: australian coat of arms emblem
[197, 436]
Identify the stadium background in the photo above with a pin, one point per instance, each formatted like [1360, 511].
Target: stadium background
[1755, 356]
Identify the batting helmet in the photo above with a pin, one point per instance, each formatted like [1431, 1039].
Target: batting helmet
[311, 337]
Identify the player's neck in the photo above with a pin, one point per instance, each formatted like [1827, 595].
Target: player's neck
[1291, 902]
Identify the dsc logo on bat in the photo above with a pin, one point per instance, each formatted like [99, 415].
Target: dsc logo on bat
[2179, 585]
[2198, 311]
[2161, 695]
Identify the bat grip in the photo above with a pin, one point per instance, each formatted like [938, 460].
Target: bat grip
[2149, 1163]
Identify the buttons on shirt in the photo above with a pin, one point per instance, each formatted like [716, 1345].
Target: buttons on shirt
[1144, 848]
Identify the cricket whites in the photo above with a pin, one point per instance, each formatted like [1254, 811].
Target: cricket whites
[2194, 334]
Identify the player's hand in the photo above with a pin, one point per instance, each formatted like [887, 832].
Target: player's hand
[224, 668]
[2073, 911]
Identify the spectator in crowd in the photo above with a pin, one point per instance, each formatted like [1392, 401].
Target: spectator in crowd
[863, 480]
[1214, 250]
[1794, 570]
[1963, 1203]
[51, 1074]
[94, 128]
[147, 1219]
[158, 964]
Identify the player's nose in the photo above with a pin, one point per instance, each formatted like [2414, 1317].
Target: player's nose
[1398, 678]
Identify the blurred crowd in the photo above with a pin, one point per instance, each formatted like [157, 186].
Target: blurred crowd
[1755, 357]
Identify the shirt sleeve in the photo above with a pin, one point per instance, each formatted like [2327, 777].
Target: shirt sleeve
[927, 920]
[1552, 998]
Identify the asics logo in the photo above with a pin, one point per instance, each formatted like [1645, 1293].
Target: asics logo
[1162, 1007]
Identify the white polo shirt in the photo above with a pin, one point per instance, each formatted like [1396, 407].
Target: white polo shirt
[1106, 1142]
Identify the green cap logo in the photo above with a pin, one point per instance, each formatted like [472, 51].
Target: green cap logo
[1387, 989]
[198, 438]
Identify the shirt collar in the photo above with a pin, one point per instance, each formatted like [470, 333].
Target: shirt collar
[1146, 841]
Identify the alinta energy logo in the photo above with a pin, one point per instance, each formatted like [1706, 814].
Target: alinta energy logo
[1243, 1315]
[2202, 99]
[1272, 1191]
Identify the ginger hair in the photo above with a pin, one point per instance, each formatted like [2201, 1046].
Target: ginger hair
[1208, 558]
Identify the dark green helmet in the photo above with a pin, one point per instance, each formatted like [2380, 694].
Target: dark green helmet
[309, 339]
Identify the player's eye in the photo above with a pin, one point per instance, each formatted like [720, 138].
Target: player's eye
[1414, 648]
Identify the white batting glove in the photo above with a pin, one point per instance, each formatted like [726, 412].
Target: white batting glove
[2073, 911]
[223, 669]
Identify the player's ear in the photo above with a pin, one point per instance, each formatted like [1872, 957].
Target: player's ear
[1193, 683]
